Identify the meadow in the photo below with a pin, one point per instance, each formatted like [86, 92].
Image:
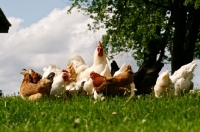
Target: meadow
[80, 114]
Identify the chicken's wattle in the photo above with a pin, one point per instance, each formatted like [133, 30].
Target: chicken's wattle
[65, 75]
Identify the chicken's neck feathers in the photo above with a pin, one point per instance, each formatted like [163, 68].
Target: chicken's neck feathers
[99, 59]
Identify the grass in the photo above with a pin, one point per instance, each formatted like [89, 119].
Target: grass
[144, 114]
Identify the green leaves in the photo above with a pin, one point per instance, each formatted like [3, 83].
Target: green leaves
[143, 26]
[195, 3]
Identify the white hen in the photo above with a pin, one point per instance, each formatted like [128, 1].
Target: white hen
[51, 68]
[164, 85]
[122, 69]
[59, 82]
[182, 78]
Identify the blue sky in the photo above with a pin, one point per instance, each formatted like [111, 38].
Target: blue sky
[42, 33]
[31, 10]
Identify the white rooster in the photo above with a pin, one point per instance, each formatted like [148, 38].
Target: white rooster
[164, 85]
[182, 78]
[99, 63]
[83, 71]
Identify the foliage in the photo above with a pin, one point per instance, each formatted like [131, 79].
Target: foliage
[195, 3]
[140, 26]
[146, 113]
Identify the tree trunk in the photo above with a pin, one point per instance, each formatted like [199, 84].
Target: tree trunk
[191, 35]
[185, 35]
[179, 15]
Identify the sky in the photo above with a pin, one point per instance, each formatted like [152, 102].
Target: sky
[43, 33]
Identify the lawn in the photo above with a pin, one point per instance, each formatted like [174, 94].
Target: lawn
[140, 114]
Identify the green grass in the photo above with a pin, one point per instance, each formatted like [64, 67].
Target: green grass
[143, 114]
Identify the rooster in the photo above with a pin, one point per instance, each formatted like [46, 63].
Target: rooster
[99, 62]
[182, 78]
[111, 86]
[83, 71]
[164, 85]
[36, 91]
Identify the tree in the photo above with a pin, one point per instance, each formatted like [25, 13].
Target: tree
[149, 28]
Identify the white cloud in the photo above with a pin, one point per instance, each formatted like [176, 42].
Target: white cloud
[51, 40]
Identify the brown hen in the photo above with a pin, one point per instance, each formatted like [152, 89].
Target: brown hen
[34, 75]
[111, 86]
[36, 91]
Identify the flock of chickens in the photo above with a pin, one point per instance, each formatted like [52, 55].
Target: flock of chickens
[99, 81]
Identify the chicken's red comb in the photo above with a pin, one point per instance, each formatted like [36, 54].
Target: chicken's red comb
[99, 44]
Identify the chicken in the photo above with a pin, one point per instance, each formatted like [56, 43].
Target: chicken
[71, 73]
[36, 91]
[145, 78]
[121, 70]
[51, 68]
[99, 63]
[59, 84]
[130, 86]
[35, 76]
[182, 78]
[164, 85]
[83, 71]
[114, 67]
[104, 73]
[111, 86]
[78, 63]
[72, 86]
[75, 88]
